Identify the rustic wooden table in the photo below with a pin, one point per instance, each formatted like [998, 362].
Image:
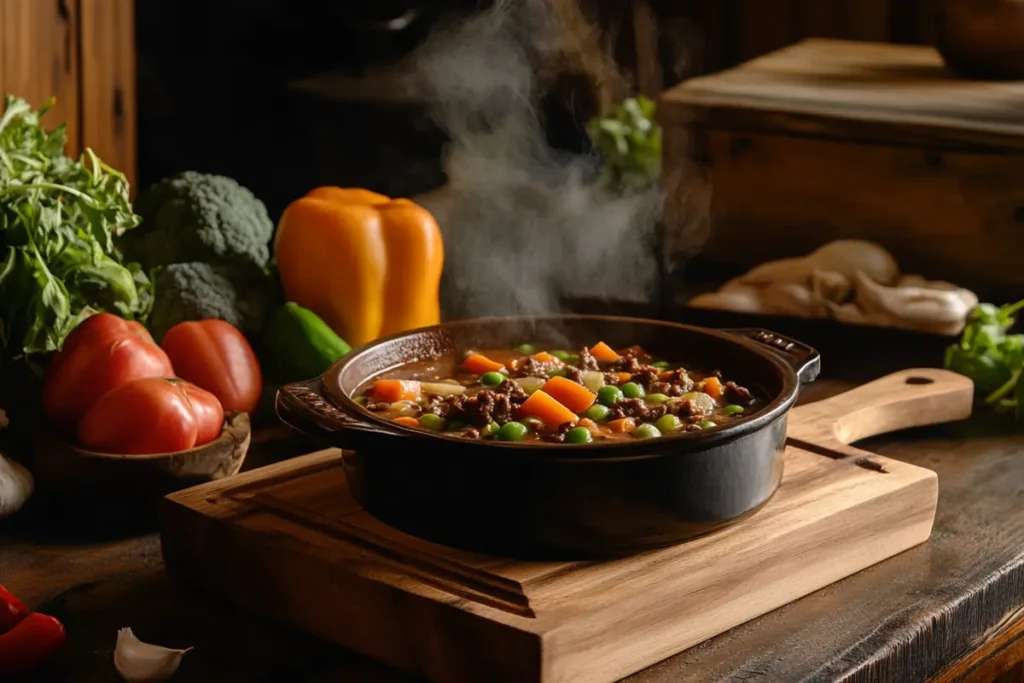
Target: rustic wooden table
[949, 610]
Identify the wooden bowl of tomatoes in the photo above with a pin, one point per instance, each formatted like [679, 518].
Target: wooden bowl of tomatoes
[125, 415]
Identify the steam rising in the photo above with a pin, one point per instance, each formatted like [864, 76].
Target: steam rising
[525, 225]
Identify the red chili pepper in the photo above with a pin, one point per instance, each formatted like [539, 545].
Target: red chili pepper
[25, 646]
[12, 610]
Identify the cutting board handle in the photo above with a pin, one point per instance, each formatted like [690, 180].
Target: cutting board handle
[904, 399]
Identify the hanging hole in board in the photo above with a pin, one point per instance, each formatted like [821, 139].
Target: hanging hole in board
[920, 380]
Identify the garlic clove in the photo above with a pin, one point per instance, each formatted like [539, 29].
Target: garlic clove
[16, 486]
[140, 662]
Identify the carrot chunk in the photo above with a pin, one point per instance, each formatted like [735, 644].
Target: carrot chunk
[546, 409]
[713, 387]
[407, 421]
[545, 357]
[624, 424]
[571, 395]
[391, 390]
[622, 377]
[478, 363]
[602, 351]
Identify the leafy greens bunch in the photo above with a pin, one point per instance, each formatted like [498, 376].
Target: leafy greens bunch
[629, 141]
[991, 357]
[59, 219]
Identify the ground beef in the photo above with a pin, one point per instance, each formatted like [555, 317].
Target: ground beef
[634, 407]
[737, 394]
[558, 435]
[528, 366]
[509, 388]
[487, 406]
[646, 377]
[628, 363]
[470, 433]
[687, 410]
[588, 362]
[573, 373]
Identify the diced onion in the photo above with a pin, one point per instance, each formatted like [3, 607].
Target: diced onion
[405, 408]
[593, 380]
[531, 384]
[442, 388]
[702, 401]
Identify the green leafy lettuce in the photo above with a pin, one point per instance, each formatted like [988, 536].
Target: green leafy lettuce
[991, 357]
[59, 219]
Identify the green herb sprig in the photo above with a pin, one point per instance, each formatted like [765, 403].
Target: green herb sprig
[991, 357]
[629, 141]
[59, 220]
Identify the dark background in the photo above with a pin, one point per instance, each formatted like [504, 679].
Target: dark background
[219, 81]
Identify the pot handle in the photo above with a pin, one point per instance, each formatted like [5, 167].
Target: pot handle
[800, 356]
[303, 407]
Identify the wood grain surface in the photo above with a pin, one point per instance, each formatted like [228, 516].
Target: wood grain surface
[39, 48]
[295, 532]
[853, 89]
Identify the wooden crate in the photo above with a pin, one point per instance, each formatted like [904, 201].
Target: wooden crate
[831, 139]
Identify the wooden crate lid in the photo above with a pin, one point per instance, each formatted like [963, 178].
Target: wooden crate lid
[848, 89]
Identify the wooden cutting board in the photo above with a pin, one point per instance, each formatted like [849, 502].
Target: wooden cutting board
[289, 541]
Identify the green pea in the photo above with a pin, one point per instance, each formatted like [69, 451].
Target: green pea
[609, 395]
[534, 424]
[492, 379]
[707, 424]
[667, 424]
[526, 348]
[360, 400]
[632, 390]
[646, 431]
[655, 399]
[578, 435]
[512, 431]
[661, 365]
[491, 429]
[597, 412]
[557, 372]
[432, 422]
[733, 409]
[560, 354]
[455, 425]
[573, 359]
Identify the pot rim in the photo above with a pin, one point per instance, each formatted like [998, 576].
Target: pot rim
[615, 449]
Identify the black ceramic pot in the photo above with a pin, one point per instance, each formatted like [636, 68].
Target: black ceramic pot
[599, 499]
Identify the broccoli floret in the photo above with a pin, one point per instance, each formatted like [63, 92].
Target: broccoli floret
[243, 296]
[199, 217]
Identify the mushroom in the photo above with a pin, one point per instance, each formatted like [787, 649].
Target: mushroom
[790, 298]
[740, 299]
[844, 257]
[922, 308]
[827, 285]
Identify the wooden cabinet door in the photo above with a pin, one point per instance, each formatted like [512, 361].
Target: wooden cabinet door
[39, 58]
[83, 53]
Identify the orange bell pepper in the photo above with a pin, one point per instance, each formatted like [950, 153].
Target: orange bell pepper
[368, 265]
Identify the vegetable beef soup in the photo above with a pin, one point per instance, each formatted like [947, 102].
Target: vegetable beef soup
[531, 394]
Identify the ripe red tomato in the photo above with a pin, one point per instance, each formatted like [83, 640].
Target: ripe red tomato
[214, 355]
[151, 415]
[104, 352]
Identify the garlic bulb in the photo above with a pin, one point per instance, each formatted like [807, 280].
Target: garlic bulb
[140, 662]
[790, 298]
[16, 486]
